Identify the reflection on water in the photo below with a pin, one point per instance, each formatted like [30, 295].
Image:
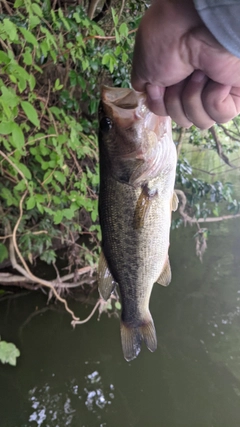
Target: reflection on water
[79, 378]
[58, 409]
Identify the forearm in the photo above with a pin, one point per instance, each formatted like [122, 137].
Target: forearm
[221, 17]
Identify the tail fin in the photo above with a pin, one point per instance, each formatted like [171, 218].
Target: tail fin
[133, 336]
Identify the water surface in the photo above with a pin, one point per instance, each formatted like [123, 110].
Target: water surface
[79, 378]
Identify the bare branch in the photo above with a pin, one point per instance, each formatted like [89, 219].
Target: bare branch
[190, 220]
[220, 149]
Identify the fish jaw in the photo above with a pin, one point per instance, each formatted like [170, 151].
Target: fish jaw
[136, 141]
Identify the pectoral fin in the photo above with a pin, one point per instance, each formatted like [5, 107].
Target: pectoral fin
[143, 206]
[174, 202]
[166, 274]
[106, 283]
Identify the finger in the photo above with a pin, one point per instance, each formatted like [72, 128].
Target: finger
[137, 83]
[155, 99]
[173, 104]
[192, 102]
[221, 102]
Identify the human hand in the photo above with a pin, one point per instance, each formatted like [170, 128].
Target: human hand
[186, 73]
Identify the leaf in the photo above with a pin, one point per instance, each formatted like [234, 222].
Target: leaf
[21, 186]
[18, 136]
[31, 202]
[8, 353]
[11, 29]
[68, 213]
[37, 10]
[29, 37]
[32, 82]
[117, 36]
[23, 168]
[123, 29]
[30, 112]
[58, 216]
[27, 57]
[6, 128]
[115, 17]
[3, 252]
[118, 305]
[60, 177]
[4, 57]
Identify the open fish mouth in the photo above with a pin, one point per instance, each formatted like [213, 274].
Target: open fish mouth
[124, 98]
[128, 107]
[125, 106]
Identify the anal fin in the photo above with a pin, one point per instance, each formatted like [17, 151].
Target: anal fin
[106, 283]
[166, 274]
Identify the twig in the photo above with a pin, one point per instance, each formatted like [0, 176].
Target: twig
[14, 166]
[25, 271]
[190, 220]
[220, 149]
[80, 322]
[233, 135]
[7, 7]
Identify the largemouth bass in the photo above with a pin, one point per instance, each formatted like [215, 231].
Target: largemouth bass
[137, 175]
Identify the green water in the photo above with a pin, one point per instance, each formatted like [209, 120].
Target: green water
[79, 378]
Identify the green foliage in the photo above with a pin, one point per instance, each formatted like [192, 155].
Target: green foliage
[8, 353]
[211, 196]
[52, 63]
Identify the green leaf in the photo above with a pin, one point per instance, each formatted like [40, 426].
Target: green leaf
[60, 177]
[115, 17]
[6, 128]
[18, 136]
[117, 36]
[11, 29]
[8, 353]
[27, 57]
[30, 112]
[29, 37]
[21, 186]
[18, 3]
[58, 216]
[32, 82]
[31, 203]
[123, 29]
[3, 252]
[9, 96]
[68, 213]
[118, 305]
[23, 168]
[37, 10]
[105, 58]
[4, 57]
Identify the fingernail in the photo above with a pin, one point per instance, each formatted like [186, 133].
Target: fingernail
[198, 76]
[155, 92]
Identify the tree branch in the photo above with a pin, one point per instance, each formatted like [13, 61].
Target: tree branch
[220, 149]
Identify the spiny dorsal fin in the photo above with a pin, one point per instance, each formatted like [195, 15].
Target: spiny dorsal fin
[174, 202]
[106, 284]
[166, 274]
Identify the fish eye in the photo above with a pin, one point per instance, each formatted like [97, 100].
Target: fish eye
[105, 124]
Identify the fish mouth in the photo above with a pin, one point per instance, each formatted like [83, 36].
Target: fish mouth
[124, 98]
[127, 107]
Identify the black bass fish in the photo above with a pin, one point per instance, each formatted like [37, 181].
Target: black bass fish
[137, 174]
